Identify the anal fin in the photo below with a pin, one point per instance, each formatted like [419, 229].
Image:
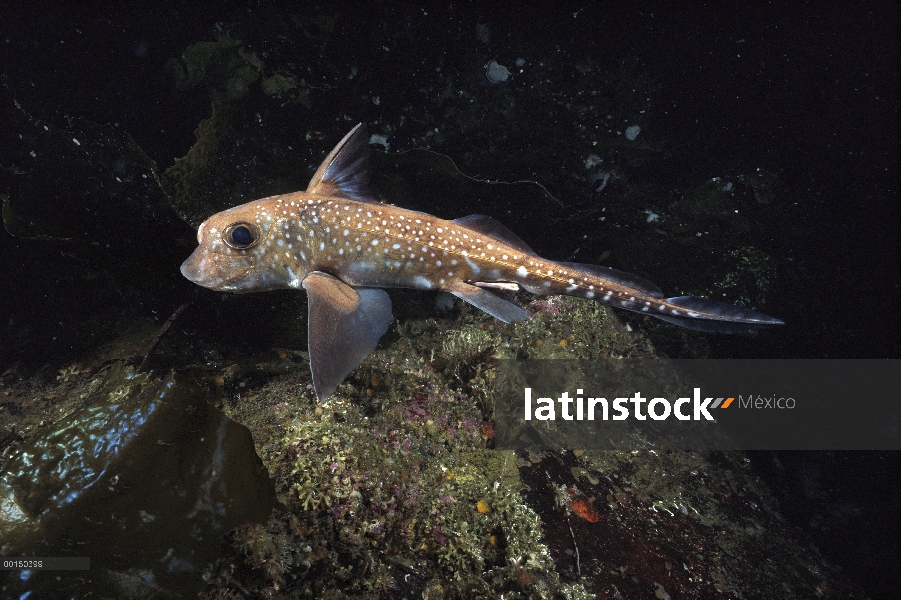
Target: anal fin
[345, 325]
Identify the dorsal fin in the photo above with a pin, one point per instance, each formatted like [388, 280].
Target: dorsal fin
[488, 226]
[620, 277]
[345, 171]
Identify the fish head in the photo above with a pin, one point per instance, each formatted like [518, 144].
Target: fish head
[233, 248]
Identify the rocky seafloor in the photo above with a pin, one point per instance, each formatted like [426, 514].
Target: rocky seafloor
[390, 488]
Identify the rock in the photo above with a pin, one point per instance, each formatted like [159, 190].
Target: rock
[145, 481]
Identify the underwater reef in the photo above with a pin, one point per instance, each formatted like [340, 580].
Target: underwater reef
[392, 488]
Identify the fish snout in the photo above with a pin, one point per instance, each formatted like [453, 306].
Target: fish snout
[204, 270]
[229, 273]
[193, 268]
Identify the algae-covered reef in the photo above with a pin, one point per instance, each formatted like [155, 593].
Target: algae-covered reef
[391, 488]
[391, 485]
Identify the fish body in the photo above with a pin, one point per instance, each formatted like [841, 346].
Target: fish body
[342, 246]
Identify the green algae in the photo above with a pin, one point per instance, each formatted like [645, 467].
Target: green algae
[391, 483]
[393, 480]
[712, 228]
[392, 487]
[234, 160]
[224, 67]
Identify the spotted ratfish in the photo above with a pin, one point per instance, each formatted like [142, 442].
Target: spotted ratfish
[342, 246]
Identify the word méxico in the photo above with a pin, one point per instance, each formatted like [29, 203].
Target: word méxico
[657, 409]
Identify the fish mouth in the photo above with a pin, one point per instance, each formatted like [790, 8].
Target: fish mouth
[193, 269]
[206, 273]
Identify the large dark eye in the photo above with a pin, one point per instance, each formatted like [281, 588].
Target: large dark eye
[241, 235]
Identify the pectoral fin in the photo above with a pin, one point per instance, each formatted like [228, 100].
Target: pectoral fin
[345, 325]
[492, 304]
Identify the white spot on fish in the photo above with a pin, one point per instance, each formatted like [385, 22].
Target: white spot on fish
[294, 282]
